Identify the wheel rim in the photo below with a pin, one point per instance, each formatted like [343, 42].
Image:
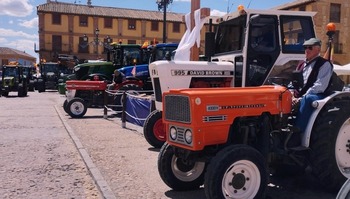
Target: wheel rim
[185, 171]
[158, 130]
[342, 149]
[241, 180]
[77, 108]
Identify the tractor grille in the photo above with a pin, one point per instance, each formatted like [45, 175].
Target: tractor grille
[157, 90]
[180, 135]
[177, 108]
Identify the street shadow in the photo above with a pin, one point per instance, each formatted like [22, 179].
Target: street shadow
[154, 149]
[86, 117]
[199, 193]
[301, 186]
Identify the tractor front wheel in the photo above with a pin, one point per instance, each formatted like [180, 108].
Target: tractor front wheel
[153, 129]
[65, 106]
[239, 172]
[76, 108]
[177, 173]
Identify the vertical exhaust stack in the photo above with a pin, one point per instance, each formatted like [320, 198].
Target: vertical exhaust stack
[89, 2]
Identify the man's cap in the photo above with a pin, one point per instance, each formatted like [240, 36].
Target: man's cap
[312, 42]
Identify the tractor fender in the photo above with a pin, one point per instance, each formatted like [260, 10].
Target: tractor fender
[320, 105]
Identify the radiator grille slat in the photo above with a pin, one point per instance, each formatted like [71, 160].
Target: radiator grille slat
[157, 90]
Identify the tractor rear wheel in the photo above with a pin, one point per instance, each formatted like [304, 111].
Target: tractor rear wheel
[153, 129]
[76, 108]
[239, 172]
[129, 88]
[177, 173]
[330, 139]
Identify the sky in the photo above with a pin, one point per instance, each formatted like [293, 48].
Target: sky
[19, 20]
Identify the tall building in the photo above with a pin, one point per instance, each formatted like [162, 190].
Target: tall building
[64, 26]
[335, 11]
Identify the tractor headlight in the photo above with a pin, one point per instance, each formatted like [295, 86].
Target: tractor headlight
[188, 136]
[173, 133]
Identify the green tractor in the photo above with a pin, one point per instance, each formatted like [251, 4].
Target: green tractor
[118, 56]
[28, 72]
[13, 79]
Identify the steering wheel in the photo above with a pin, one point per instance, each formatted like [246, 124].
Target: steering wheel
[282, 81]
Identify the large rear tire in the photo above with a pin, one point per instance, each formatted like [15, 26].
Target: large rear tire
[239, 172]
[118, 99]
[179, 174]
[76, 108]
[153, 129]
[329, 144]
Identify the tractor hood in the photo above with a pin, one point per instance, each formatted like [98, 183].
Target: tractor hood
[140, 70]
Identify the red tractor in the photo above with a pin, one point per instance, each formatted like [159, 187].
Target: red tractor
[93, 92]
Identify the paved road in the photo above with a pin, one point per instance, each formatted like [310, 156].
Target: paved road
[41, 149]
[38, 158]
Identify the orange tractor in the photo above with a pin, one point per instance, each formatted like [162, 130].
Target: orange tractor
[231, 139]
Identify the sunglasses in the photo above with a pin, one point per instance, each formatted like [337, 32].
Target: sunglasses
[308, 47]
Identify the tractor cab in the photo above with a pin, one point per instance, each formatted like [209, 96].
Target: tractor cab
[261, 44]
[13, 79]
[125, 54]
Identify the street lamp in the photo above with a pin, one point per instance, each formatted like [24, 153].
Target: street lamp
[97, 42]
[162, 5]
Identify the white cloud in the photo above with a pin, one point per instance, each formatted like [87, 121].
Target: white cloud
[3, 40]
[17, 34]
[217, 13]
[16, 8]
[22, 45]
[33, 23]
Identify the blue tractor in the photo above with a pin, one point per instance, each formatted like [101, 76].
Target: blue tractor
[163, 51]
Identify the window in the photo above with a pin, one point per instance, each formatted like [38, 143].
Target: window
[302, 8]
[176, 27]
[132, 24]
[56, 18]
[57, 43]
[131, 41]
[5, 61]
[295, 30]
[106, 42]
[108, 22]
[83, 46]
[338, 47]
[334, 15]
[154, 26]
[83, 20]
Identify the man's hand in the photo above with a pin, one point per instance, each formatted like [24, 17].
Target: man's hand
[295, 100]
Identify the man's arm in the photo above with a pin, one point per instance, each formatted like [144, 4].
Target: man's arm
[323, 78]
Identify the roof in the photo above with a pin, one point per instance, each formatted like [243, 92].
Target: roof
[293, 4]
[9, 52]
[79, 9]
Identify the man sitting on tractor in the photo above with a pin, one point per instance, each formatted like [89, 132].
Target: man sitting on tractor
[316, 72]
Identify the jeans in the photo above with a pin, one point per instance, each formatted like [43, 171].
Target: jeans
[306, 110]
